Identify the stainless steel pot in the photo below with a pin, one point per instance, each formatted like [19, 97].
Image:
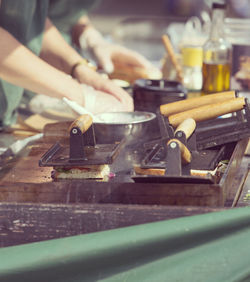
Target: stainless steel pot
[115, 126]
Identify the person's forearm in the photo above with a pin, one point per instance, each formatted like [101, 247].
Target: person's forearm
[56, 51]
[18, 65]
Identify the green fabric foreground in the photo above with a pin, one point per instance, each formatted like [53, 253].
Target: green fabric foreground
[210, 247]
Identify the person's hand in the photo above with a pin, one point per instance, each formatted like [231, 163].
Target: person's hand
[112, 56]
[99, 102]
[103, 86]
[93, 101]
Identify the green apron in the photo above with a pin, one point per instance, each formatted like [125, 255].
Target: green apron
[25, 21]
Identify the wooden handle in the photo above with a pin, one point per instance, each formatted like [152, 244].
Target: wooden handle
[187, 126]
[83, 122]
[185, 153]
[208, 111]
[169, 48]
[188, 104]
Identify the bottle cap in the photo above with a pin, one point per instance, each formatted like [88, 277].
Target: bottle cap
[192, 56]
[217, 5]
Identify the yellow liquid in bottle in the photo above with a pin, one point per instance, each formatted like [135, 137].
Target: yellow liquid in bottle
[216, 77]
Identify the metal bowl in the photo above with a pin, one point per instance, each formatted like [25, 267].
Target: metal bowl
[115, 126]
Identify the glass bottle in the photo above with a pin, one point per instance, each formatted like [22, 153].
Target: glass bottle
[217, 55]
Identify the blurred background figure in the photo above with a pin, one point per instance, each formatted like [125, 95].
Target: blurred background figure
[184, 8]
[240, 8]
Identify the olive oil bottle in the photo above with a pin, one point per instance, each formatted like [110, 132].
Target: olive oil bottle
[217, 55]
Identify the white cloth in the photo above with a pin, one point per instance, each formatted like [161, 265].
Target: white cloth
[95, 102]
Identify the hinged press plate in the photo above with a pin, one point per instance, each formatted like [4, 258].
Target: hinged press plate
[58, 155]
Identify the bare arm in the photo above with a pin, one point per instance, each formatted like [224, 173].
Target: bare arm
[56, 51]
[18, 65]
[60, 54]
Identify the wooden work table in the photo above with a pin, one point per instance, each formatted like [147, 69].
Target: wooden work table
[33, 207]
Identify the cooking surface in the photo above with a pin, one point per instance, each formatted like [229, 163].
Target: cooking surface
[27, 169]
[36, 208]
[119, 189]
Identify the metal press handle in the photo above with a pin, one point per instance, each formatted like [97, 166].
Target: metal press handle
[186, 156]
[187, 126]
[83, 123]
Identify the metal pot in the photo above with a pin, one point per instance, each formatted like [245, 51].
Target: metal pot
[149, 94]
[115, 126]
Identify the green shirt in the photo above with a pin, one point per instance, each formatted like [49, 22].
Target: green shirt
[65, 13]
[25, 20]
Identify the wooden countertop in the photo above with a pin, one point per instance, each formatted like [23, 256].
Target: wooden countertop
[42, 209]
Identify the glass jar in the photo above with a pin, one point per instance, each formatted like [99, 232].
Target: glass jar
[192, 67]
